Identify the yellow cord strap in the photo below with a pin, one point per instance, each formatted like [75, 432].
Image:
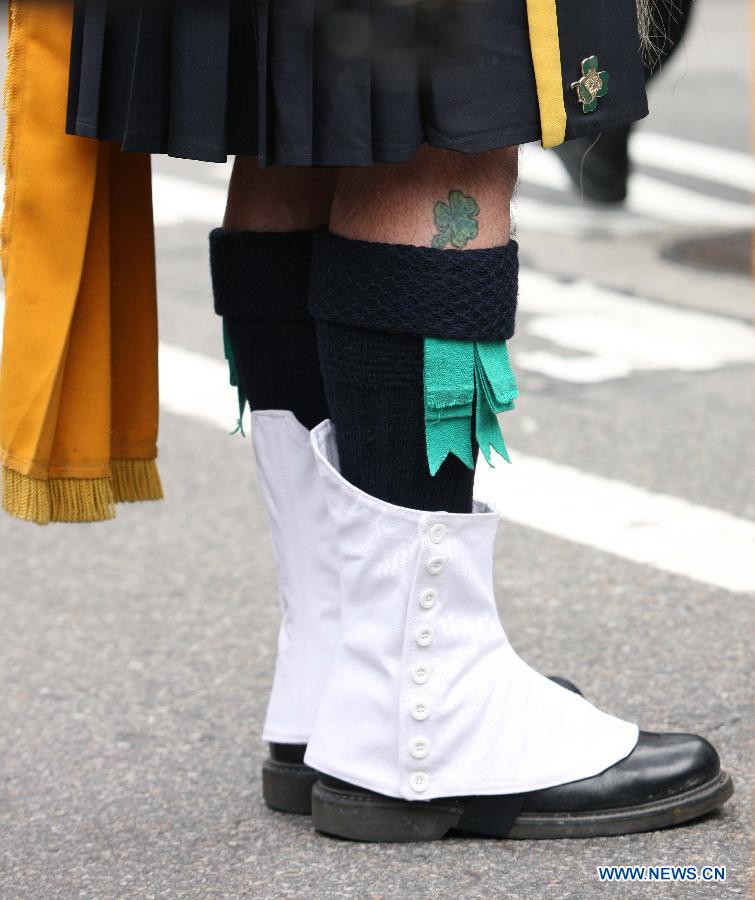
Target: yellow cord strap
[546, 59]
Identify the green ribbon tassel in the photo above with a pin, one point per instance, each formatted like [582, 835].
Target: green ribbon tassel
[466, 380]
[234, 379]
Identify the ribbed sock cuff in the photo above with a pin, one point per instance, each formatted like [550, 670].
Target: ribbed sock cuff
[462, 294]
[261, 275]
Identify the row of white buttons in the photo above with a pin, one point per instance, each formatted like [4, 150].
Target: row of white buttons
[419, 747]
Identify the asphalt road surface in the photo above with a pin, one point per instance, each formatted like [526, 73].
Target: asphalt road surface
[136, 656]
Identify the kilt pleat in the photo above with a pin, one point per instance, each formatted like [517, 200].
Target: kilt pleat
[333, 82]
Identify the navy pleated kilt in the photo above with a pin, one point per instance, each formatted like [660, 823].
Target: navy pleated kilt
[337, 82]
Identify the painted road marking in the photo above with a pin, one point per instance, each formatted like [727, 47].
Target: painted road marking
[665, 532]
[715, 165]
[176, 200]
[656, 530]
[531, 214]
[617, 335]
[704, 161]
[649, 197]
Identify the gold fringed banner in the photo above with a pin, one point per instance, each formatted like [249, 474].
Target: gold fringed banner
[135, 480]
[78, 371]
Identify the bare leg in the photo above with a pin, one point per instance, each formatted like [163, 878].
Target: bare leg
[396, 204]
[279, 198]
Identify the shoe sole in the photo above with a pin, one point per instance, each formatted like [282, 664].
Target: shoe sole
[371, 818]
[287, 787]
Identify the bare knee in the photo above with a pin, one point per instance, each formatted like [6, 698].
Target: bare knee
[441, 198]
[279, 198]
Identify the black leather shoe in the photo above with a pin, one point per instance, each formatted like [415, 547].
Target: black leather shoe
[666, 780]
[287, 781]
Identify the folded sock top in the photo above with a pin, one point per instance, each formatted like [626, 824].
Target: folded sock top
[261, 275]
[460, 294]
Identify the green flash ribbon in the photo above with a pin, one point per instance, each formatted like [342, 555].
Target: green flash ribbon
[466, 380]
[233, 377]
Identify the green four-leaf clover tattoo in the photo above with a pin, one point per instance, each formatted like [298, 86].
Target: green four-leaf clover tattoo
[456, 221]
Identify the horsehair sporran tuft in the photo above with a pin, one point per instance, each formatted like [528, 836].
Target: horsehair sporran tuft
[654, 17]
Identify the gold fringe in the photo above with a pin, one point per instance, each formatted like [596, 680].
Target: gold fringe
[135, 480]
[25, 497]
[81, 499]
[58, 499]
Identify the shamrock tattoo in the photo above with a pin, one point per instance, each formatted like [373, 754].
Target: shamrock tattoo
[456, 221]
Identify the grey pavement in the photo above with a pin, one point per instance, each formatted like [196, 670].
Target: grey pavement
[136, 656]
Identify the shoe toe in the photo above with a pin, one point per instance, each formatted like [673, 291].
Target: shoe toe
[660, 766]
[685, 761]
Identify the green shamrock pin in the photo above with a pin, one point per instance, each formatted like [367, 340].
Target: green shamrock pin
[456, 220]
[591, 85]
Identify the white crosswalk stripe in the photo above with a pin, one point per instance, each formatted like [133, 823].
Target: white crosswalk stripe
[653, 202]
[613, 336]
[616, 335]
[665, 532]
[654, 529]
[703, 161]
[176, 200]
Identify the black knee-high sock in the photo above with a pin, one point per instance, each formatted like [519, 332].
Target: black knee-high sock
[373, 304]
[374, 386]
[261, 286]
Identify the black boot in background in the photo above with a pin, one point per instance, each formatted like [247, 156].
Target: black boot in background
[599, 169]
